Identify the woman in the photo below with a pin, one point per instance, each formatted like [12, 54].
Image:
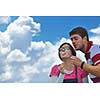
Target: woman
[67, 72]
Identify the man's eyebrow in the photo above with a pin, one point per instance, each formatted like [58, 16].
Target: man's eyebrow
[73, 37]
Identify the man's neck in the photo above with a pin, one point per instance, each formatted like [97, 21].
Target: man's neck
[84, 49]
[87, 46]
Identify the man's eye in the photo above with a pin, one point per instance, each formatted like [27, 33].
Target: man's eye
[76, 38]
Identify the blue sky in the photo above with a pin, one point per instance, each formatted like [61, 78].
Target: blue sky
[55, 27]
[29, 44]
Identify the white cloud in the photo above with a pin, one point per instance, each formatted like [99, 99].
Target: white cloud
[4, 19]
[37, 45]
[17, 56]
[25, 66]
[14, 43]
[6, 74]
[95, 39]
[27, 73]
[20, 32]
[96, 30]
[23, 25]
[5, 43]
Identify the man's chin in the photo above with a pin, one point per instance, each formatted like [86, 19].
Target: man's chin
[77, 49]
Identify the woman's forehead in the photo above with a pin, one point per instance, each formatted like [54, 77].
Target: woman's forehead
[65, 45]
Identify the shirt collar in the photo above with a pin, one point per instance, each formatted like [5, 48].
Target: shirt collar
[90, 43]
[87, 54]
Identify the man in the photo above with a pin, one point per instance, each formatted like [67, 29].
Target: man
[80, 40]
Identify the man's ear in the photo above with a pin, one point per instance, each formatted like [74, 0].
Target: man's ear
[85, 38]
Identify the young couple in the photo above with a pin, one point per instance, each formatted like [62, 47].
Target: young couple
[72, 69]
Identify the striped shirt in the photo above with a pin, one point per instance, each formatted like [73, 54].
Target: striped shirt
[93, 58]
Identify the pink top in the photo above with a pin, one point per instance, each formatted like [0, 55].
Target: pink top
[80, 73]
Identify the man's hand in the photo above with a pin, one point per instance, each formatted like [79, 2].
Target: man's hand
[76, 61]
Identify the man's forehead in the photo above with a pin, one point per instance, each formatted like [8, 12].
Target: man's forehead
[75, 35]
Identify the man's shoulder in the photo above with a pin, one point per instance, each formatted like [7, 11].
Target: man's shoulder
[95, 47]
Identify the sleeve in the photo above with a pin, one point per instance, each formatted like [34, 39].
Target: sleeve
[54, 71]
[55, 76]
[95, 54]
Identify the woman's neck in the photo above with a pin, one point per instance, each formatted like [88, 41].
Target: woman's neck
[68, 65]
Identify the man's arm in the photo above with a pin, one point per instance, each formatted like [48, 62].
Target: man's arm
[95, 70]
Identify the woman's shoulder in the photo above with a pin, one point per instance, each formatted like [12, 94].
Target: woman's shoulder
[55, 66]
[54, 70]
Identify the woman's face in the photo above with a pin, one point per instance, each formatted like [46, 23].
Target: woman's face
[65, 52]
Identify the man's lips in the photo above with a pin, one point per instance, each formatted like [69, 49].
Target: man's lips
[75, 46]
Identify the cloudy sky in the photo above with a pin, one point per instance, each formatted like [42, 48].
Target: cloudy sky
[29, 44]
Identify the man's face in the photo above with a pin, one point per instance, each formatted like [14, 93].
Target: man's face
[77, 41]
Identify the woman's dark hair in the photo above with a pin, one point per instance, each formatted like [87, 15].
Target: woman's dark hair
[71, 48]
[81, 31]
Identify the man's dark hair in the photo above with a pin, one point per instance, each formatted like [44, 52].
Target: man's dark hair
[71, 48]
[81, 31]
